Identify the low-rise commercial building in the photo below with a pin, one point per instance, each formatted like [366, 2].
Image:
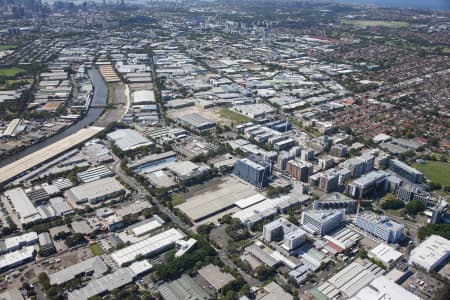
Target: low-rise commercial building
[385, 254]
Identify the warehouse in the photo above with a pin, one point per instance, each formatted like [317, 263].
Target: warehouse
[342, 239]
[146, 226]
[17, 242]
[183, 288]
[214, 198]
[386, 255]
[143, 96]
[96, 191]
[93, 174]
[147, 247]
[350, 280]
[383, 288]
[46, 244]
[16, 258]
[215, 277]
[431, 254]
[197, 122]
[107, 283]
[150, 162]
[93, 266]
[23, 206]
[128, 139]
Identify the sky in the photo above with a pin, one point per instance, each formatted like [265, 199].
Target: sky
[430, 4]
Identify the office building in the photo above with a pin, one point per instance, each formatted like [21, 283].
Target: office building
[328, 181]
[380, 226]
[283, 158]
[431, 254]
[322, 221]
[300, 170]
[338, 150]
[374, 181]
[408, 192]
[256, 172]
[46, 244]
[282, 230]
[307, 154]
[405, 171]
[335, 201]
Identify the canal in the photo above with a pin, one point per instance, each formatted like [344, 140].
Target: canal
[98, 99]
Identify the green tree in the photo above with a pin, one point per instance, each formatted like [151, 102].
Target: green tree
[414, 207]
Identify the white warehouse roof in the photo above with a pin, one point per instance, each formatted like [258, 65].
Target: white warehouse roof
[431, 253]
[128, 139]
[148, 246]
[143, 96]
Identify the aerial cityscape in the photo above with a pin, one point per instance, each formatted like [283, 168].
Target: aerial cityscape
[229, 150]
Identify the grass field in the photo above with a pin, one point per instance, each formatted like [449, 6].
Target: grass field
[96, 249]
[436, 171]
[177, 199]
[11, 72]
[7, 47]
[235, 117]
[376, 23]
[10, 82]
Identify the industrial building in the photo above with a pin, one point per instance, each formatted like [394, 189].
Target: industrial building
[93, 174]
[109, 282]
[385, 254]
[431, 253]
[182, 288]
[383, 288]
[94, 266]
[283, 231]
[341, 240]
[151, 161]
[128, 139]
[19, 241]
[23, 206]
[267, 208]
[96, 191]
[147, 247]
[196, 122]
[143, 96]
[380, 226]
[17, 258]
[253, 171]
[215, 277]
[405, 171]
[322, 221]
[350, 280]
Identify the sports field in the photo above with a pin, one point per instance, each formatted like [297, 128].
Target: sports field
[436, 171]
[11, 72]
[376, 23]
